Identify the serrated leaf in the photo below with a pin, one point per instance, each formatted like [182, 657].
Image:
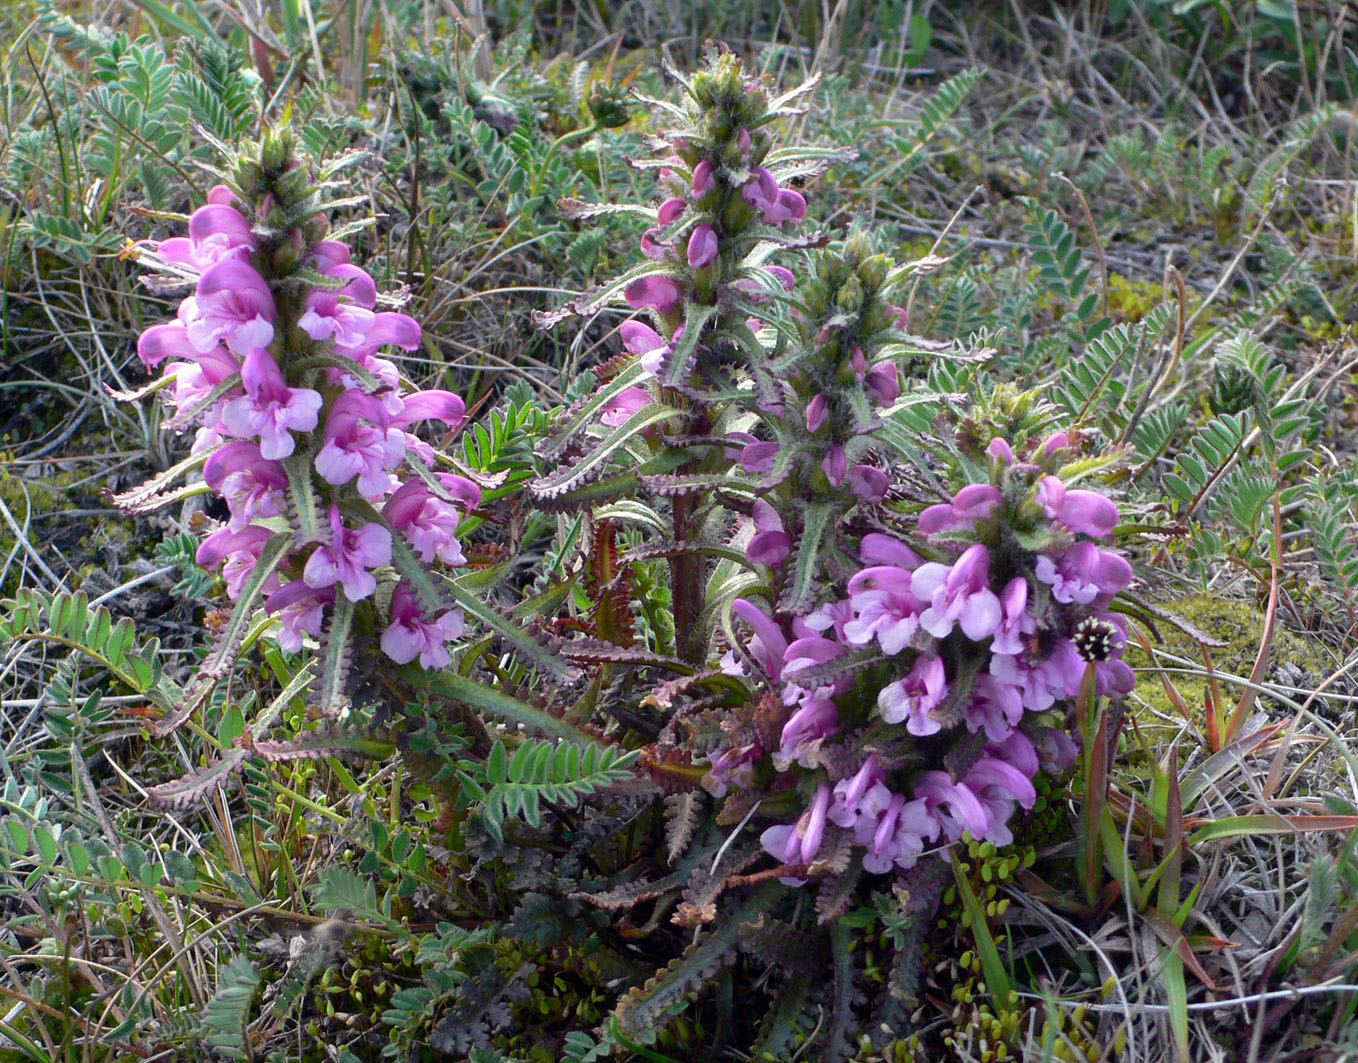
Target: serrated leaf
[525, 645]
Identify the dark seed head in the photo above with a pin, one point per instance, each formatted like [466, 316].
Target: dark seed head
[1095, 640]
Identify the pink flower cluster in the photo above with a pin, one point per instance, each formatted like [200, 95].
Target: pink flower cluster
[690, 228]
[312, 399]
[981, 640]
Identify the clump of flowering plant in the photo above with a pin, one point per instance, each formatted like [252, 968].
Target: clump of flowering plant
[338, 513]
[922, 703]
[710, 295]
[864, 678]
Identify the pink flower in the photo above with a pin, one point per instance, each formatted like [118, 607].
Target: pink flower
[624, 405]
[798, 843]
[952, 805]
[252, 485]
[328, 317]
[884, 382]
[817, 412]
[659, 291]
[1001, 451]
[165, 341]
[1015, 622]
[816, 720]
[387, 329]
[777, 205]
[771, 545]
[196, 380]
[805, 653]
[878, 549]
[1050, 493]
[1084, 575]
[790, 206]
[670, 211]
[222, 196]
[652, 247]
[428, 523]
[703, 179]
[640, 338]
[995, 708]
[462, 490]
[410, 635]
[835, 465]
[885, 608]
[1016, 749]
[974, 502]
[270, 410]
[768, 644]
[868, 483]
[1041, 683]
[1057, 441]
[237, 551]
[758, 456]
[358, 442]
[761, 190]
[434, 405]
[702, 246]
[301, 611]
[215, 231]
[861, 797]
[734, 766]
[358, 286]
[913, 699]
[899, 835]
[959, 595]
[830, 616]
[327, 254]
[1088, 512]
[998, 786]
[233, 305]
[348, 558]
[1056, 750]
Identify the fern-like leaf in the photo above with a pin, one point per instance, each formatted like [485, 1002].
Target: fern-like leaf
[560, 773]
[227, 1014]
[652, 1005]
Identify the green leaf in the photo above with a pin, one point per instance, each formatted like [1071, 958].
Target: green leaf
[565, 478]
[526, 646]
[675, 369]
[800, 589]
[335, 664]
[494, 703]
[578, 418]
[197, 785]
[996, 974]
[227, 1014]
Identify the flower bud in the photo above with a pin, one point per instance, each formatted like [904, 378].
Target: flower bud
[873, 272]
[608, 105]
[850, 296]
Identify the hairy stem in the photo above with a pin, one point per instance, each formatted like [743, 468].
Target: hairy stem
[686, 585]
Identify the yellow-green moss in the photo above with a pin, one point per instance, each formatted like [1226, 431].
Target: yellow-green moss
[1240, 625]
[1130, 300]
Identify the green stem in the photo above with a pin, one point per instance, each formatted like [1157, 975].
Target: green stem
[554, 149]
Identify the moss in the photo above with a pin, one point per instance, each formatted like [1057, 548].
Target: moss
[1240, 625]
[1130, 300]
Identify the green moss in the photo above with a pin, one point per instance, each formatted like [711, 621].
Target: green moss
[1130, 300]
[1240, 625]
